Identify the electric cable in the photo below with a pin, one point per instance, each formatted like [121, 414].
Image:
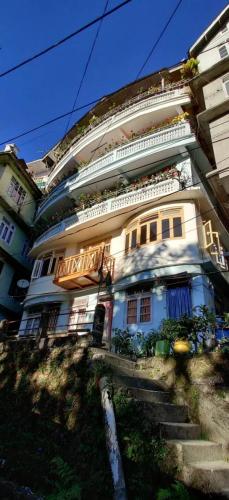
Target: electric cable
[86, 65]
[159, 38]
[65, 39]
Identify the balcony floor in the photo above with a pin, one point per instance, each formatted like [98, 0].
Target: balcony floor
[76, 280]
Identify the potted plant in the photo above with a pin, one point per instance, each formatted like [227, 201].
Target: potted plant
[165, 337]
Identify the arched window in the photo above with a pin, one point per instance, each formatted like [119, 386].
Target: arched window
[156, 226]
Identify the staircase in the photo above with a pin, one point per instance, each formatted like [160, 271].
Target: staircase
[200, 463]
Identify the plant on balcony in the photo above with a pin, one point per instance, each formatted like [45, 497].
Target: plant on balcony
[190, 68]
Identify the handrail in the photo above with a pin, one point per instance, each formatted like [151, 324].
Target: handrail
[88, 261]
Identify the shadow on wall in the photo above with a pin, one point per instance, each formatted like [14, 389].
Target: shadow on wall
[51, 423]
[153, 256]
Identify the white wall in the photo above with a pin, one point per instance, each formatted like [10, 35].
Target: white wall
[211, 57]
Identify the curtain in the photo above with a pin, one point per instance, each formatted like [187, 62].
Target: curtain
[178, 302]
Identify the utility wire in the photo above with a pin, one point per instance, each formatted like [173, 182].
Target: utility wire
[65, 39]
[159, 38]
[86, 65]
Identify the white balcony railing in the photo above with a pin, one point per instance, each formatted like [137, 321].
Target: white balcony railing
[164, 97]
[137, 147]
[132, 198]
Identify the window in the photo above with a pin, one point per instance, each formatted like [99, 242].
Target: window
[139, 310]
[178, 301]
[132, 311]
[16, 191]
[223, 52]
[47, 266]
[33, 325]
[159, 226]
[1, 266]
[226, 84]
[6, 230]
[78, 318]
[52, 318]
[145, 309]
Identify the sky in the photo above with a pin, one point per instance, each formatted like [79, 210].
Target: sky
[47, 87]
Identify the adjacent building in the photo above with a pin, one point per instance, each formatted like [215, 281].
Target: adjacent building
[211, 90]
[128, 233]
[18, 199]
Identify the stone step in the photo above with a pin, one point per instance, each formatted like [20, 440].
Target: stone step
[183, 431]
[209, 475]
[113, 359]
[129, 378]
[225, 493]
[196, 450]
[164, 412]
[149, 395]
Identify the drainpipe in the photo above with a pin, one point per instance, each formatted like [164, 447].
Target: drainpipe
[112, 441]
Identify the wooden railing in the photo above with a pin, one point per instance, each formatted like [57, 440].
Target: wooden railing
[85, 263]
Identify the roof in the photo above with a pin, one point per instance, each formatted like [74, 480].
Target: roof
[216, 25]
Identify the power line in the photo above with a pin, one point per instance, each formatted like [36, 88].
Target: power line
[65, 39]
[159, 38]
[87, 64]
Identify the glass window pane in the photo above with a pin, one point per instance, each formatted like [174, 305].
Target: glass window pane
[177, 227]
[226, 84]
[223, 52]
[165, 229]
[132, 311]
[127, 242]
[153, 231]
[143, 235]
[134, 238]
[145, 310]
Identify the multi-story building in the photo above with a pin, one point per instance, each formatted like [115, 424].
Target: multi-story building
[127, 223]
[18, 195]
[211, 90]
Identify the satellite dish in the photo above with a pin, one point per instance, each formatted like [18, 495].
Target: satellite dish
[23, 283]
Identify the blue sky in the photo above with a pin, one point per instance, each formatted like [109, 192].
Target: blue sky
[47, 87]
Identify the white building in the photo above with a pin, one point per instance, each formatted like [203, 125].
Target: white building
[125, 202]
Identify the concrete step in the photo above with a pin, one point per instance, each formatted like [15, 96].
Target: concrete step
[197, 450]
[183, 431]
[225, 493]
[149, 395]
[130, 378]
[113, 359]
[164, 412]
[211, 475]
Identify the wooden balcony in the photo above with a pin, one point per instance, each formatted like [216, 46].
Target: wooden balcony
[84, 269]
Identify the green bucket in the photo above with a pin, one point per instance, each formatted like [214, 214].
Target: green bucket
[162, 348]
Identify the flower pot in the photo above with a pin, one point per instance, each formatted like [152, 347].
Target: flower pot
[162, 348]
[181, 346]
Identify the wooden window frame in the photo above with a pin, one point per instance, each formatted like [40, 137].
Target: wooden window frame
[138, 299]
[147, 222]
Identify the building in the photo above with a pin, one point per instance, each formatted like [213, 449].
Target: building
[129, 234]
[40, 170]
[211, 90]
[18, 198]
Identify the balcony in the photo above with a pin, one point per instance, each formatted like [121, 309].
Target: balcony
[135, 152]
[132, 110]
[84, 269]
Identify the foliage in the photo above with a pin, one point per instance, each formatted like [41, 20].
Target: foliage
[176, 491]
[51, 421]
[122, 341]
[65, 486]
[142, 450]
[190, 68]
